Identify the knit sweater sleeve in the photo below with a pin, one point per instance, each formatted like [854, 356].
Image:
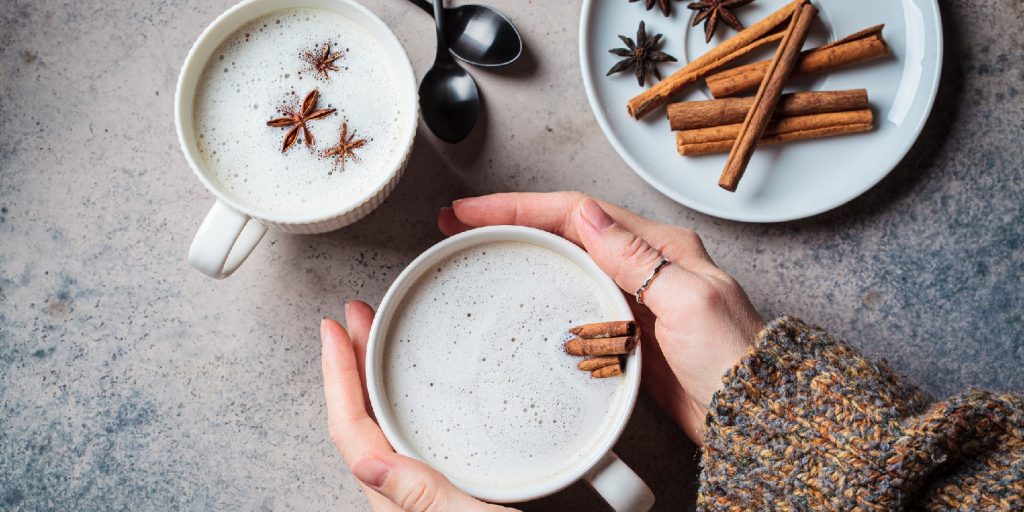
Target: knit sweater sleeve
[805, 422]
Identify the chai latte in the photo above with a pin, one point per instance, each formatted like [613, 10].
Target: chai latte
[474, 370]
[264, 68]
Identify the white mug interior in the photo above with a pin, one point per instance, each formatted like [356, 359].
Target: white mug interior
[408, 278]
[226, 25]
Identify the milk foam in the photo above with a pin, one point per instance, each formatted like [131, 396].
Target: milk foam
[259, 69]
[475, 373]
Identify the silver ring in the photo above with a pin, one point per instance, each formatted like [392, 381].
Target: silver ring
[640, 292]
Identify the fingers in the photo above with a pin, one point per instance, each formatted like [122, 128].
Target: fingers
[359, 318]
[554, 212]
[542, 211]
[352, 430]
[629, 259]
[449, 224]
[681, 245]
[413, 486]
[342, 385]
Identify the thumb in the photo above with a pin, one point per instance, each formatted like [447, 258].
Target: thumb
[412, 485]
[627, 258]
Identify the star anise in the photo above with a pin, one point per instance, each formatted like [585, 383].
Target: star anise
[710, 11]
[298, 118]
[666, 7]
[322, 62]
[641, 55]
[346, 148]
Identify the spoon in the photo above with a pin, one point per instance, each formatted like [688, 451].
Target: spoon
[448, 96]
[479, 34]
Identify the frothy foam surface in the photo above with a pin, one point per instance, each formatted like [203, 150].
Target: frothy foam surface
[475, 373]
[258, 70]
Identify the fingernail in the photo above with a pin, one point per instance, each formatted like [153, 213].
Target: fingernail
[595, 216]
[457, 201]
[348, 305]
[371, 471]
[323, 327]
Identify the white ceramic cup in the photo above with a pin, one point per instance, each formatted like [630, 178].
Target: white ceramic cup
[233, 228]
[601, 468]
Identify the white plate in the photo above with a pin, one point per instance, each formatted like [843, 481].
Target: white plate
[783, 182]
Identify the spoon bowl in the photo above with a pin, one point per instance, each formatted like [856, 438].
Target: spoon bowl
[449, 102]
[479, 34]
[482, 36]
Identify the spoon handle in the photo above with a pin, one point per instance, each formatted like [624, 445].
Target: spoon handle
[442, 43]
[425, 5]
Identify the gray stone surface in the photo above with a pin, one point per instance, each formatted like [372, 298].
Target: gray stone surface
[128, 380]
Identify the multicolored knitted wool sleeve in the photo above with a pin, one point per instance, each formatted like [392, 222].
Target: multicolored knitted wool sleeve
[807, 423]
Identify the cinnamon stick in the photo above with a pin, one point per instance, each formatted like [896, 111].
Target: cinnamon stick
[767, 96]
[607, 371]
[605, 329]
[746, 41]
[692, 115]
[730, 132]
[875, 31]
[720, 139]
[593, 363]
[600, 346]
[708, 148]
[863, 46]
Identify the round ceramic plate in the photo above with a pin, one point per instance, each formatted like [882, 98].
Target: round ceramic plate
[787, 181]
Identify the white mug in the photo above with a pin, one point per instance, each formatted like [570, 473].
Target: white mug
[232, 229]
[601, 468]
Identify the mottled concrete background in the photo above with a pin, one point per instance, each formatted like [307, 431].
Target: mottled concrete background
[128, 380]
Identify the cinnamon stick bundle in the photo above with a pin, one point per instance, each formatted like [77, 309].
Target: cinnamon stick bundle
[720, 139]
[863, 46]
[600, 346]
[605, 342]
[692, 115]
[746, 41]
[768, 95]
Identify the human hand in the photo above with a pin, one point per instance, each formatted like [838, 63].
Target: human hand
[391, 481]
[696, 321]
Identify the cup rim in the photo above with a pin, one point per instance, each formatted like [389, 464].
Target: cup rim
[404, 75]
[400, 287]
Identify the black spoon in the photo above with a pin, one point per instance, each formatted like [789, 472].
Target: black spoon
[479, 34]
[448, 96]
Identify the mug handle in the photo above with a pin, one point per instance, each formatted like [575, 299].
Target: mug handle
[620, 486]
[224, 240]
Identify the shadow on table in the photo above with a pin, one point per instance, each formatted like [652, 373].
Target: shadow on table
[657, 450]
